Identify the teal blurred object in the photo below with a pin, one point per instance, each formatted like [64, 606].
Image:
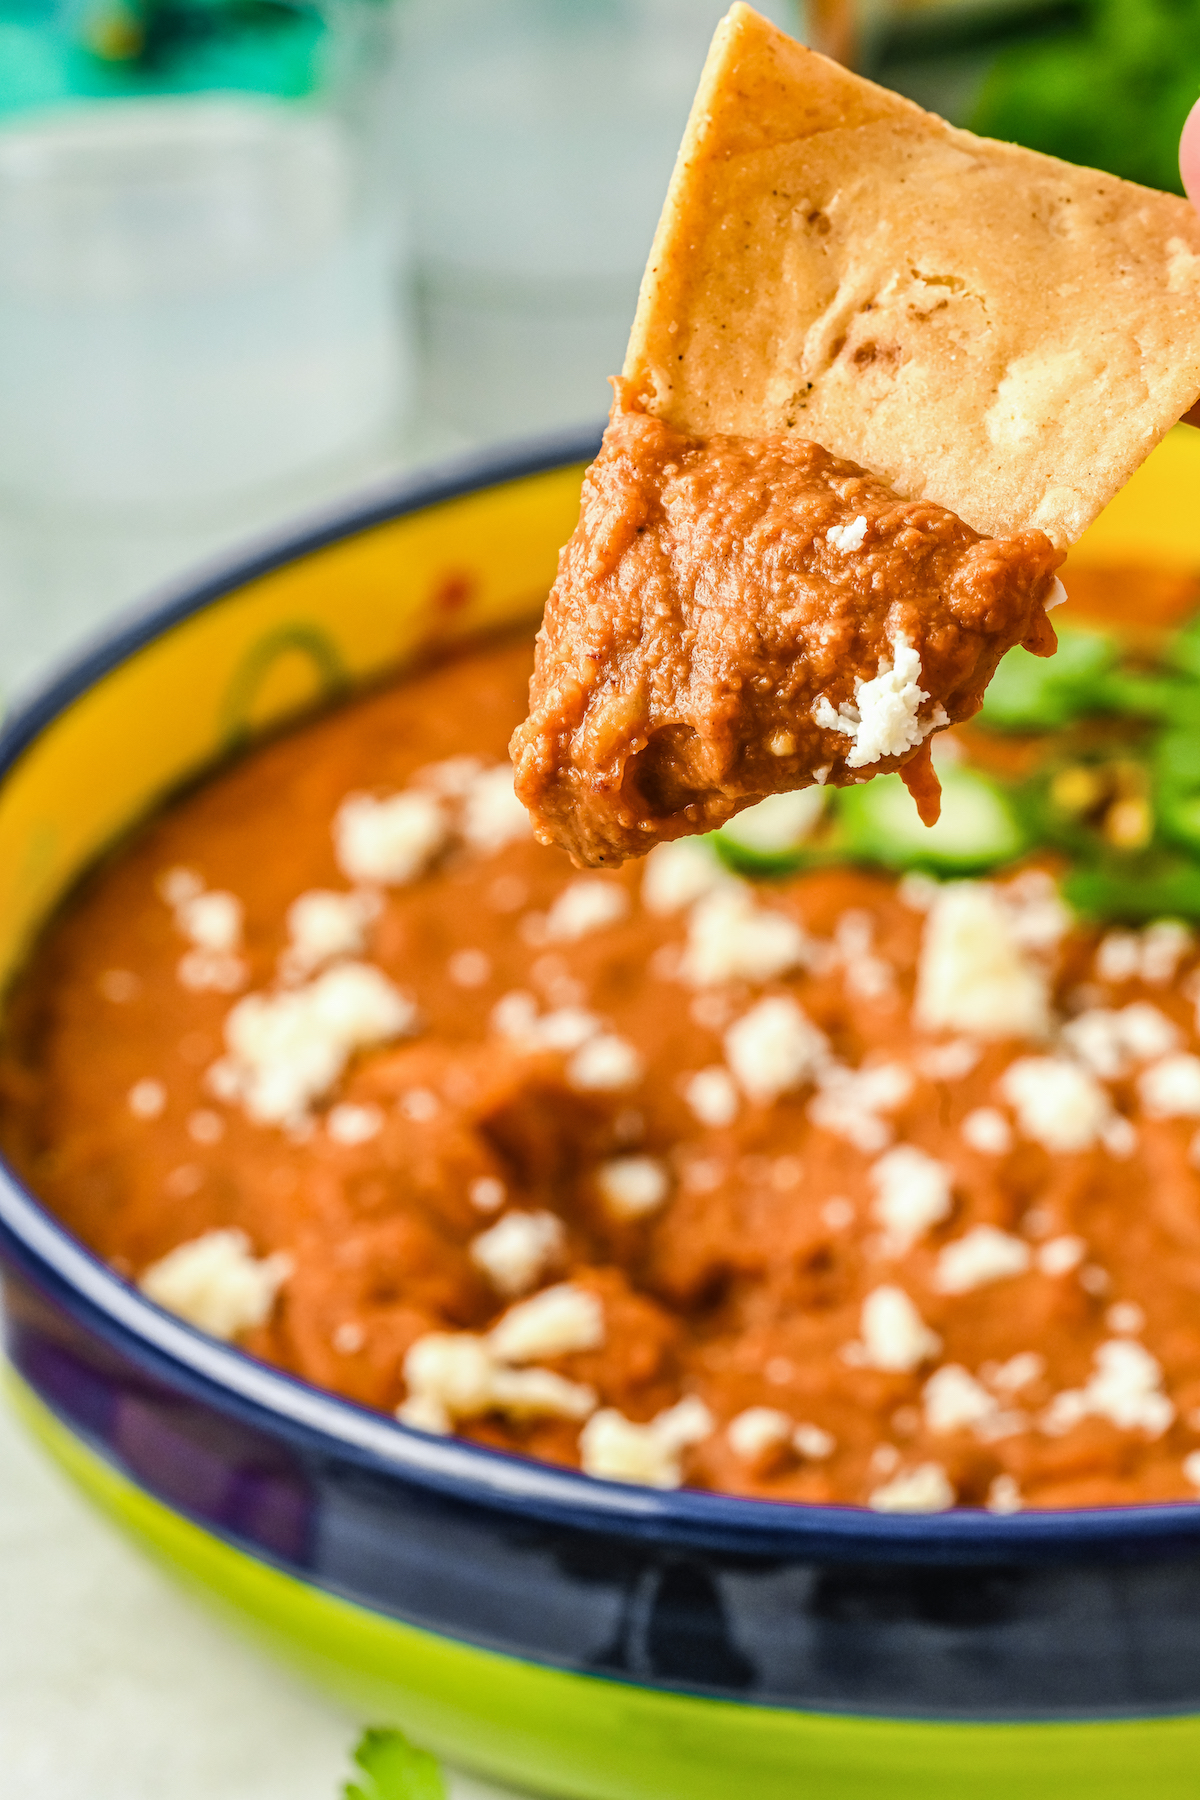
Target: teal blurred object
[121, 49]
[202, 251]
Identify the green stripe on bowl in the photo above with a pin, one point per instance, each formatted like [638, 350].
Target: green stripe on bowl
[585, 1738]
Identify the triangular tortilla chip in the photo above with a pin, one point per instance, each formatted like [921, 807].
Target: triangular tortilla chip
[977, 324]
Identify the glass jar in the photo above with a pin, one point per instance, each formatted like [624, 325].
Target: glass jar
[198, 251]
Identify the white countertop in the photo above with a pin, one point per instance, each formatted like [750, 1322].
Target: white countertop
[114, 1685]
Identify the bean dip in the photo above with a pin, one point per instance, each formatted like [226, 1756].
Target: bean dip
[737, 617]
[843, 1187]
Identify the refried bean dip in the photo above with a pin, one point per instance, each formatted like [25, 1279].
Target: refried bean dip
[842, 1187]
[736, 617]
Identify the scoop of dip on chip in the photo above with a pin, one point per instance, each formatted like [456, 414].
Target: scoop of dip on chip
[882, 374]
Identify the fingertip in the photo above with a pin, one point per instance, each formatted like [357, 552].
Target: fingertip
[1189, 155]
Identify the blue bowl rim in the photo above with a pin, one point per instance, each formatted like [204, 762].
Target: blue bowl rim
[321, 1423]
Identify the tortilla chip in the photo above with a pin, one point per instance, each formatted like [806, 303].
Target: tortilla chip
[979, 325]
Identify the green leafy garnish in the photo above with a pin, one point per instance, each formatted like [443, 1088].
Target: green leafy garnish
[394, 1770]
[1159, 885]
[1037, 693]
[782, 834]
[1111, 90]
[979, 827]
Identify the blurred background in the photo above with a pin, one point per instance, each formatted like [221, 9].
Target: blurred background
[255, 254]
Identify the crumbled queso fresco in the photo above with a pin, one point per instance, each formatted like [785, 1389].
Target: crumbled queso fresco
[831, 1189]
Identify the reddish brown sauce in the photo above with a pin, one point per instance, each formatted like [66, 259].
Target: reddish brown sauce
[745, 1284]
[721, 602]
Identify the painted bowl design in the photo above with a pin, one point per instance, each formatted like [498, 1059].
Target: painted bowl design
[575, 1636]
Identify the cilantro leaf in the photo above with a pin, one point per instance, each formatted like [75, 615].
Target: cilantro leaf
[395, 1770]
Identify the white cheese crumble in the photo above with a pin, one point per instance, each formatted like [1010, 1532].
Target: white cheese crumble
[1125, 1388]
[851, 1102]
[1119, 956]
[487, 1193]
[1018, 1371]
[419, 1104]
[556, 1322]
[982, 1255]
[1170, 1089]
[1165, 943]
[349, 1124]
[1060, 1256]
[492, 816]
[147, 1099]
[1126, 1317]
[773, 1048]
[515, 1016]
[812, 1442]
[1119, 1137]
[614, 1448]
[121, 986]
[1038, 917]
[583, 907]
[754, 1433]
[680, 873]
[212, 921]
[955, 1401]
[516, 1252]
[916, 891]
[451, 778]
[848, 537]
[205, 1126]
[950, 1062]
[1191, 1468]
[212, 972]
[732, 938]
[885, 1460]
[712, 1096]
[973, 975]
[633, 1186]
[912, 1192]
[925, 1489]
[323, 926]
[389, 841]
[348, 1338]
[1058, 1104]
[1004, 1496]
[216, 1282]
[894, 1335]
[469, 968]
[868, 977]
[605, 1064]
[288, 1048]
[987, 1130]
[1110, 1041]
[1152, 955]
[178, 884]
[455, 1375]
[883, 719]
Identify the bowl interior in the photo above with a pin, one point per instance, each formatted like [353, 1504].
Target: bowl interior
[196, 679]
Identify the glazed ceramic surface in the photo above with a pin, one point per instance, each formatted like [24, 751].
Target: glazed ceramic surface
[580, 1636]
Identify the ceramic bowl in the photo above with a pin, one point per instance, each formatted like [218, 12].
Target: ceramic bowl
[574, 1636]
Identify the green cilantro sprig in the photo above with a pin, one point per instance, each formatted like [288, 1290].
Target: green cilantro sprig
[394, 1770]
